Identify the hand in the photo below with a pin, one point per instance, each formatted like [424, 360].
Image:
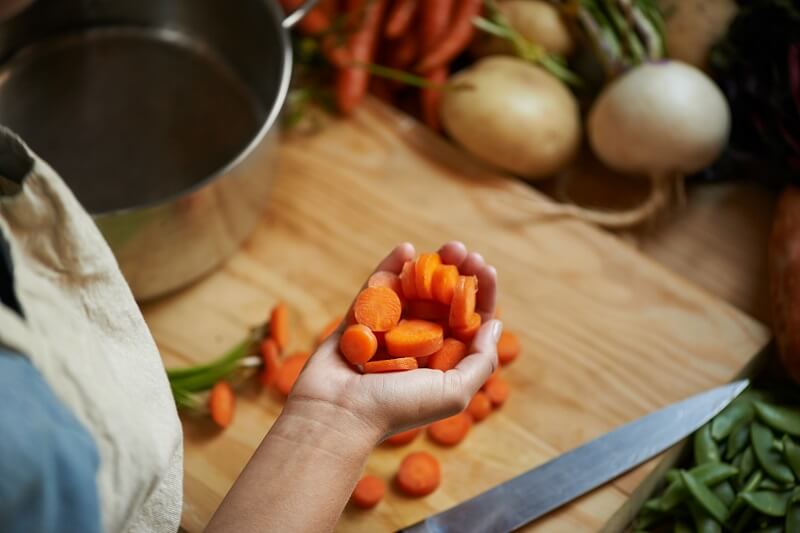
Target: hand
[388, 403]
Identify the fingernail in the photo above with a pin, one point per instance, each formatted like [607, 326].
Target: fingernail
[497, 330]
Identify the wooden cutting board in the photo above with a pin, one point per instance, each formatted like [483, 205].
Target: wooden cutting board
[608, 335]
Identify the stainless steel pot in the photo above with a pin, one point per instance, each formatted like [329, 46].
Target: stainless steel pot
[160, 115]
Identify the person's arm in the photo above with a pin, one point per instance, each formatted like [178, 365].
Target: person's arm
[304, 471]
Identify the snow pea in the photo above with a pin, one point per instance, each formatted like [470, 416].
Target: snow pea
[782, 419]
[791, 452]
[703, 522]
[792, 524]
[705, 449]
[768, 502]
[724, 491]
[743, 521]
[737, 439]
[770, 460]
[709, 474]
[747, 464]
[750, 485]
[704, 497]
[738, 411]
[771, 484]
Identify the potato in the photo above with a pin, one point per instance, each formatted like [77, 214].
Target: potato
[513, 115]
[784, 274]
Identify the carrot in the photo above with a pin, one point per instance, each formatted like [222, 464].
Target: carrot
[290, 371]
[463, 305]
[399, 18]
[316, 21]
[390, 365]
[383, 278]
[414, 338]
[428, 310]
[279, 325]
[408, 280]
[455, 40]
[422, 362]
[450, 431]
[403, 52]
[403, 438]
[221, 403]
[491, 378]
[444, 283]
[479, 407]
[448, 356]
[378, 308]
[468, 332]
[435, 19]
[352, 80]
[497, 390]
[419, 474]
[369, 492]
[329, 328]
[358, 344]
[272, 363]
[431, 97]
[507, 347]
[423, 273]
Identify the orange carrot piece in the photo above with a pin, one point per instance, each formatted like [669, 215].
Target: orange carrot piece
[463, 305]
[435, 18]
[419, 474]
[279, 325]
[414, 338]
[221, 403]
[468, 332]
[403, 438]
[491, 378]
[329, 328]
[290, 371]
[422, 362]
[450, 431]
[270, 355]
[448, 356]
[428, 310]
[378, 308]
[408, 280]
[456, 39]
[390, 365]
[431, 97]
[352, 81]
[369, 492]
[497, 390]
[423, 271]
[480, 406]
[444, 283]
[399, 18]
[383, 278]
[403, 52]
[358, 344]
[508, 347]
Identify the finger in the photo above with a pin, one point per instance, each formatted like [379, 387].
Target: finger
[453, 253]
[394, 261]
[473, 264]
[487, 293]
[475, 369]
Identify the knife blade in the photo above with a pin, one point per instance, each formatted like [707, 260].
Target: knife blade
[538, 491]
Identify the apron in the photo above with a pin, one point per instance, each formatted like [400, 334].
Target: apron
[81, 328]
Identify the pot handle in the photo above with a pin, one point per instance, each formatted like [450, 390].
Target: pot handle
[295, 16]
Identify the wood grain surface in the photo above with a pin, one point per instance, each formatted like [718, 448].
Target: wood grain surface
[608, 334]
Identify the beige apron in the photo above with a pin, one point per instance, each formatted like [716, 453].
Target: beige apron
[85, 334]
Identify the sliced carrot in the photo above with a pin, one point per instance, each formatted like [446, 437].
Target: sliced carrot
[448, 356]
[422, 362]
[384, 278]
[408, 280]
[419, 474]
[463, 305]
[456, 39]
[378, 308]
[468, 332]
[444, 283]
[329, 328]
[403, 438]
[497, 390]
[399, 18]
[369, 492]
[428, 310]
[495, 375]
[279, 325]
[450, 431]
[221, 403]
[480, 406]
[423, 271]
[414, 338]
[290, 371]
[390, 365]
[352, 81]
[358, 344]
[507, 347]
[270, 356]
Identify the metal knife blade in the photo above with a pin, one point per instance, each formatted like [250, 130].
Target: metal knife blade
[520, 500]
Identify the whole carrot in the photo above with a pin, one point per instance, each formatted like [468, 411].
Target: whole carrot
[455, 40]
[403, 51]
[352, 81]
[435, 21]
[431, 97]
[400, 18]
[317, 20]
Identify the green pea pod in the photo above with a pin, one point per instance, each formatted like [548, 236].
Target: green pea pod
[768, 502]
[724, 491]
[793, 513]
[704, 497]
[672, 475]
[770, 460]
[681, 527]
[743, 522]
[749, 486]
[777, 445]
[709, 474]
[738, 411]
[782, 419]
[747, 464]
[791, 451]
[738, 440]
[705, 449]
[771, 484]
[703, 522]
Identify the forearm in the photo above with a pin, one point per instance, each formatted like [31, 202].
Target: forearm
[302, 474]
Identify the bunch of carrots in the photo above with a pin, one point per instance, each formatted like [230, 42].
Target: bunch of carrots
[360, 38]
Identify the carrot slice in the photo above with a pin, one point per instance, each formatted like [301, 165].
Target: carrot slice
[507, 347]
[468, 332]
[419, 474]
[408, 280]
[450, 431]
[368, 492]
[422, 362]
[358, 344]
[428, 310]
[444, 283]
[462, 307]
[448, 356]
[384, 278]
[424, 270]
[221, 403]
[378, 308]
[479, 407]
[494, 376]
[414, 338]
[329, 328]
[497, 390]
[290, 371]
[270, 356]
[390, 365]
[279, 325]
[403, 438]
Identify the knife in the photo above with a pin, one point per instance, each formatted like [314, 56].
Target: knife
[538, 491]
